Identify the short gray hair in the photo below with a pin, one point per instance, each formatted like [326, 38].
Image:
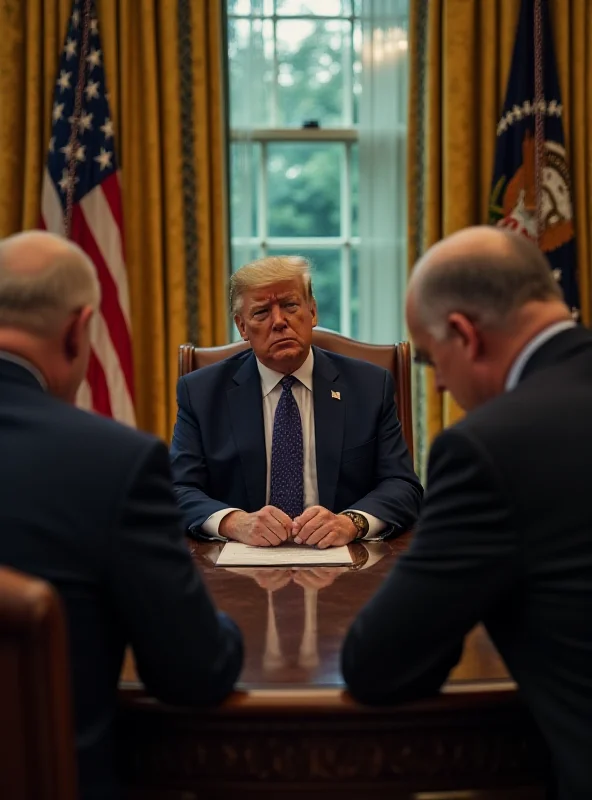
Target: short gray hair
[485, 284]
[269, 270]
[43, 279]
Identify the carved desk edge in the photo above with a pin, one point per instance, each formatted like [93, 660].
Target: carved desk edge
[481, 738]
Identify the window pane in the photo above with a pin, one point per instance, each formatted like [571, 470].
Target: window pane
[354, 305]
[311, 56]
[242, 254]
[239, 7]
[244, 168]
[252, 76]
[326, 271]
[323, 8]
[357, 71]
[246, 7]
[355, 189]
[304, 189]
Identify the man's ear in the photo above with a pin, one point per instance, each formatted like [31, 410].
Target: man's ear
[241, 327]
[466, 332]
[76, 331]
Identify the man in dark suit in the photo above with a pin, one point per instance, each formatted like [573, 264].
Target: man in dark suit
[505, 535]
[88, 505]
[287, 441]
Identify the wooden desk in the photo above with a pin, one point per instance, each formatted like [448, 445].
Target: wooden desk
[292, 731]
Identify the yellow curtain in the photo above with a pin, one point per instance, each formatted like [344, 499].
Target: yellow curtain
[163, 72]
[210, 159]
[461, 52]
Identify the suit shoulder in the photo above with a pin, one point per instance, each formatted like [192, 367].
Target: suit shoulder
[350, 365]
[102, 434]
[220, 371]
[500, 424]
[461, 438]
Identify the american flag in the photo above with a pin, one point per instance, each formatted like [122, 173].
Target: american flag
[81, 199]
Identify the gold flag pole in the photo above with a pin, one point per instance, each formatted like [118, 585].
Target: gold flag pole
[539, 117]
[73, 143]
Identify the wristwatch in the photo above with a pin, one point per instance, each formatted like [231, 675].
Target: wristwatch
[359, 521]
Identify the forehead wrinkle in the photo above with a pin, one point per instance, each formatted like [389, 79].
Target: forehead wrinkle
[259, 302]
[273, 297]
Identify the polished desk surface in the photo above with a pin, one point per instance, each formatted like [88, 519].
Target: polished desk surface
[291, 729]
[294, 620]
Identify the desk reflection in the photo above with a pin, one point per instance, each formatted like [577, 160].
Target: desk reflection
[287, 610]
[311, 580]
[294, 621]
[291, 731]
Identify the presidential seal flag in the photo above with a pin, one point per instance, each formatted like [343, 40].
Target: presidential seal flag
[531, 187]
[81, 199]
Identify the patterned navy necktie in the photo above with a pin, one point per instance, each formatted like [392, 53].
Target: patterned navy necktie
[287, 460]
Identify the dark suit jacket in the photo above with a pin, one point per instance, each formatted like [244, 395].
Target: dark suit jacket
[505, 537]
[88, 505]
[218, 449]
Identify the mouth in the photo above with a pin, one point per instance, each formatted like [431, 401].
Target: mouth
[284, 341]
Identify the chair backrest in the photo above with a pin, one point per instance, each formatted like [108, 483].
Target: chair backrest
[394, 357]
[37, 754]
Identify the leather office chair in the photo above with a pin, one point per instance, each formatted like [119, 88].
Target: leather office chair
[37, 759]
[394, 357]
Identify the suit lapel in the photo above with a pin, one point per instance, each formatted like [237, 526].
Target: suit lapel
[329, 416]
[246, 419]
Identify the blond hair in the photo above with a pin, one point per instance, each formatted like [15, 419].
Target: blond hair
[269, 270]
[43, 279]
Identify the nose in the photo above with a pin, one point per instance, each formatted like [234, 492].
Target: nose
[277, 317]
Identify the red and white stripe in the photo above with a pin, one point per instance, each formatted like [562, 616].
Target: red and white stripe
[97, 227]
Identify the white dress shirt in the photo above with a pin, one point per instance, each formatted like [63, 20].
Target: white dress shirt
[527, 352]
[303, 394]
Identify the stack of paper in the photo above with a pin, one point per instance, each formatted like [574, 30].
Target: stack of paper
[235, 554]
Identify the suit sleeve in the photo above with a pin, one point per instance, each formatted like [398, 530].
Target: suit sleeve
[186, 652]
[396, 498]
[463, 558]
[188, 461]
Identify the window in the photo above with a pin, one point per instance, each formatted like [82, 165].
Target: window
[302, 143]
[295, 83]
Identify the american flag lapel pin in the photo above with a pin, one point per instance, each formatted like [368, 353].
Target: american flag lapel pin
[335, 395]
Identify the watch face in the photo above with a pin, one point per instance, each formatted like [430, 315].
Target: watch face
[359, 521]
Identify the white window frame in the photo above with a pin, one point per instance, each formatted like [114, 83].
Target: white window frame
[263, 241]
[347, 136]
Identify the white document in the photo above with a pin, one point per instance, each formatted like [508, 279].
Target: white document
[236, 554]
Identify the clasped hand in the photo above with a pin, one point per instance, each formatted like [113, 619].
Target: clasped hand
[269, 526]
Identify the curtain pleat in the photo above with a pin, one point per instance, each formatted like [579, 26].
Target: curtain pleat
[210, 160]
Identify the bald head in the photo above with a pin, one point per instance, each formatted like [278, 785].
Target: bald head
[43, 280]
[484, 273]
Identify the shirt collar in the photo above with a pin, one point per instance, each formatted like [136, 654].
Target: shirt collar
[539, 340]
[22, 362]
[270, 378]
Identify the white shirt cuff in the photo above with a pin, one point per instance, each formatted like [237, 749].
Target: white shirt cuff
[212, 525]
